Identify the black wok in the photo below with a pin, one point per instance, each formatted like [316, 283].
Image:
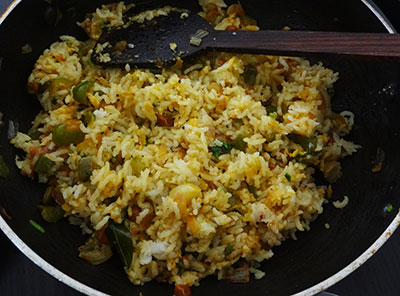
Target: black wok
[370, 90]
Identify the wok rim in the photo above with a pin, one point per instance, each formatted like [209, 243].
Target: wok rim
[325, 284]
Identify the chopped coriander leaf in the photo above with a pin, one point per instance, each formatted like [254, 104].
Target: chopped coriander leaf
[271, 109]
[37, 226]
[274, 115]
[215, 150]
[229, 249]
[288, 177]
[388, 208]
[224, 149]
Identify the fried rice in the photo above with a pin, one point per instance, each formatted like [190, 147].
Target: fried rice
[208, 164]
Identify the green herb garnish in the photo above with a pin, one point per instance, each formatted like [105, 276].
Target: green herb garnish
[273, 115]
[121, 239]
[224, 149]
[37, 226]
[271, 109]
[215, 150]
[388, 208]
[229, 249]
[288, 177]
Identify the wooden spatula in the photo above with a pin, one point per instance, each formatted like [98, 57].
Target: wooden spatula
[182, 34]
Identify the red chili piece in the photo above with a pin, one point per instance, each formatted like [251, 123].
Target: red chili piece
[165, 120]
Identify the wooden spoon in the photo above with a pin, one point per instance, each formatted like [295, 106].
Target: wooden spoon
[182, 34]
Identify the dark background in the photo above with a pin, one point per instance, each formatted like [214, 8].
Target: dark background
[379, 276]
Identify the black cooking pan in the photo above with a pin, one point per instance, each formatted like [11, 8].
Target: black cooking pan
[319, 257]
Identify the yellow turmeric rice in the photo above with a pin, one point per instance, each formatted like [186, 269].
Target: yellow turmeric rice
[208, 165]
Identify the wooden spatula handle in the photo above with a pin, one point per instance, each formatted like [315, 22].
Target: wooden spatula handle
[304, 43]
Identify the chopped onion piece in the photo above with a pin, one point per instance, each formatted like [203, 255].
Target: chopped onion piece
[25, 49]
[197, 37]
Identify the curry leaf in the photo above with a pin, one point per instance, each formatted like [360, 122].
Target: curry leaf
[121, 239]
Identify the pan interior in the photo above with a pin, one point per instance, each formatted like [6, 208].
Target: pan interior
[369, 90]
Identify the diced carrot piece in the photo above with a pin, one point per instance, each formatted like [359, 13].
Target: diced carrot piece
[182, 290]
